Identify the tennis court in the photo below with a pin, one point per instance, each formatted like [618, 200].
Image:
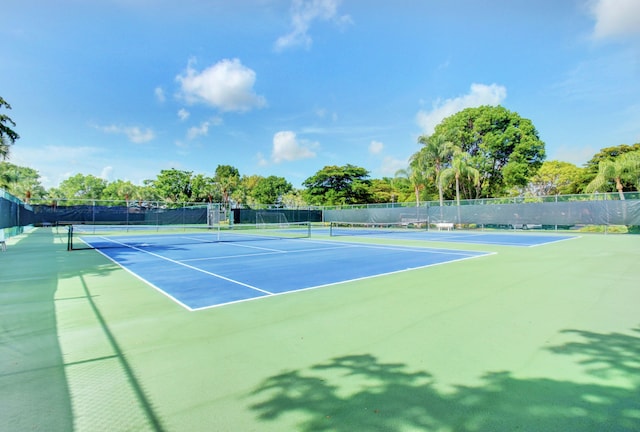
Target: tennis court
[509, 238]
[526, 338]
[202, 269]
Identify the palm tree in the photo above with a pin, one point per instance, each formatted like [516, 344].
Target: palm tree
[624, 167]
[226, 179]
[459, 169]
[407, 175]
[436, 153]
[7, 135]
[416, 174]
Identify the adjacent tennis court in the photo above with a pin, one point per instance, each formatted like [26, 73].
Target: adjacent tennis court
[418, 231]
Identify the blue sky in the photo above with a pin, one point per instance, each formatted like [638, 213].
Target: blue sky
[122, 89]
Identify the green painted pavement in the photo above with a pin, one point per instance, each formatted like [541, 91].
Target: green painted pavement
[529, 339]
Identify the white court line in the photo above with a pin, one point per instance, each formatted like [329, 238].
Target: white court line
[555, 241]
[407, 248]
[425, 250]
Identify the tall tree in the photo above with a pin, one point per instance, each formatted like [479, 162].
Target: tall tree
[555, 178]
[414, 175]
[435, 154]
[80, 187]
[403, 188]
[242, 193]
[504, 147]
[173, 185]
[625, 167]
[592, 166]
[227, 179]
[293, 199]
[334, 185]
[120, 190]
[269, 190]
[458, 171]
[22, 182]
[383, 190]
[204, 189]
[7, 135]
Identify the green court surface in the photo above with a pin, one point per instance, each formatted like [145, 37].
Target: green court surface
[526, 339]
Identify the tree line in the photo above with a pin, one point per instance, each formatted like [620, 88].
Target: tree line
[480, 152]
[488, 152]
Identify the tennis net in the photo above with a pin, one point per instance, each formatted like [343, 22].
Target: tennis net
[87, 236]
[375, 228]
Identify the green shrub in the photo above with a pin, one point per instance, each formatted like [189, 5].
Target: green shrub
[611, 229]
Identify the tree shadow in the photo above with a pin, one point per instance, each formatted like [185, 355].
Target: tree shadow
[359, 392]
[605, 355]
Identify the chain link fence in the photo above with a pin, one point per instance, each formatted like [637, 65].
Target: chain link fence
[15, 215]
[551, 212]
[555, 212]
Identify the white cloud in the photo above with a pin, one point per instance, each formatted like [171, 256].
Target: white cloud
[390, 166]
[203, 129]
[134, 133]
[286, 147]
[227, 85]
[376, 147]
[616, 17]
[138, 135]
[159, 92]
[479, 94]
[183, 114]
[303, 13]
[196, 131]
[106, 173]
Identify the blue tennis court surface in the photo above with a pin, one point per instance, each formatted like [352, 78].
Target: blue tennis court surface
[201, 275]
